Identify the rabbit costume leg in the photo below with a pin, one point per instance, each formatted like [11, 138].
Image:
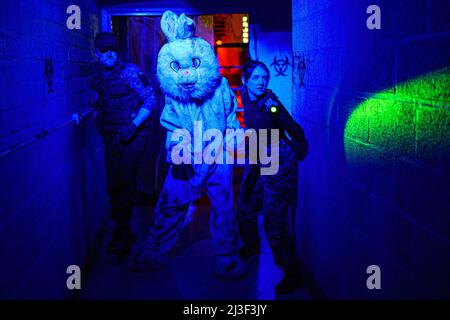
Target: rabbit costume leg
[223, 223]
[168, 219]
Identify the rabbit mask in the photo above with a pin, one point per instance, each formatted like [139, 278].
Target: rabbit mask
[187, 67]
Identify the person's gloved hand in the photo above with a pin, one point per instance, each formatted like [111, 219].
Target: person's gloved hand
[127, 132]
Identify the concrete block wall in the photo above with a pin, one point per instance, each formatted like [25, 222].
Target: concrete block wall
[53, 193]
[270, 39]
[375, 189]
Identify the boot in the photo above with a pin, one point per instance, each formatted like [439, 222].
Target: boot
[291, 281]
[122, 240]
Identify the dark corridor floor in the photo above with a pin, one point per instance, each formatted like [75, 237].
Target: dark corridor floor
[189, 274]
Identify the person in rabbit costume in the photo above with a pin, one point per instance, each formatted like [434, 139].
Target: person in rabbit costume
[196, 98]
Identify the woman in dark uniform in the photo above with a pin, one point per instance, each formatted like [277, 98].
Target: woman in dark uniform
[270, 194]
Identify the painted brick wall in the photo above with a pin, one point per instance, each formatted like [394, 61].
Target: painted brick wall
[376, 186]
[53, 194]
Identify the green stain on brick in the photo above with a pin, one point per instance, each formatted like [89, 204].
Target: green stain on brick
[414, 122]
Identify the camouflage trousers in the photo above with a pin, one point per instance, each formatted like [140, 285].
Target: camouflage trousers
[122, 163]
[270, 196]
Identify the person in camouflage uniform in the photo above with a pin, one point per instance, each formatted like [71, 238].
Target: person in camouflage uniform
[125, 100]
[270, 194]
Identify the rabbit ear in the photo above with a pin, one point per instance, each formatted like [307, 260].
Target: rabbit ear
[169, 25]
[185, 27]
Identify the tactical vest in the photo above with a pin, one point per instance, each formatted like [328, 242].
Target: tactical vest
[118, 103]
[256, 116]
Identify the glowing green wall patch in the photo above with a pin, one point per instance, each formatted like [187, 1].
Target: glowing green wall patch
[414, 122]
